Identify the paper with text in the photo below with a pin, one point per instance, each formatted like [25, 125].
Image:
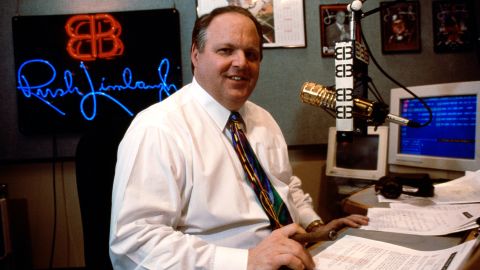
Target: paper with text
[351, 252]
[421, 221]
[465, 189]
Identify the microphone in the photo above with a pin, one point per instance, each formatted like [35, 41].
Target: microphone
[374, 112]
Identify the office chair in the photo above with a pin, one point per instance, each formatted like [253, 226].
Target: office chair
[95, 160]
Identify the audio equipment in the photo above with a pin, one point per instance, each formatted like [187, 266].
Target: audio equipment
[392, 186]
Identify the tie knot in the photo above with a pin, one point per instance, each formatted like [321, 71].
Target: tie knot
[236, 119]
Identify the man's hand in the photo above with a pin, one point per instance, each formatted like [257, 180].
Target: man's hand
[353, 221]
[279, 250]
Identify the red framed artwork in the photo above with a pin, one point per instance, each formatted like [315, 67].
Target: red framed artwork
[334, 26]
[452, 26]
[400, 27]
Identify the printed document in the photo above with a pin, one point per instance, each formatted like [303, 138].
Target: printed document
[421, 221]
[352, 252]
[465, 189]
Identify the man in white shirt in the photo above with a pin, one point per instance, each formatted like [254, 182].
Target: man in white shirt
[181, 199]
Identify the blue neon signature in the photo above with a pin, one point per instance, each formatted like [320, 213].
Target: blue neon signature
[43, 93]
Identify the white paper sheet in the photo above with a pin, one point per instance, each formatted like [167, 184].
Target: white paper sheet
[421, 221]
[351, 252]
[288, 22]
[474, 207]
[465, 189]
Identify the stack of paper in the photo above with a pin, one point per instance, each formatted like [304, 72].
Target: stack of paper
[351, 252]
[454, 207]
[421, 221]
[465, 189]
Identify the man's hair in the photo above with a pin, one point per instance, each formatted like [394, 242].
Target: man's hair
[199, 33]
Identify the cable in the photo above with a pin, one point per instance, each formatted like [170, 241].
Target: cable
[67, 216]
[430, 114]
[17, 8]
[54, 179]
[375, 92]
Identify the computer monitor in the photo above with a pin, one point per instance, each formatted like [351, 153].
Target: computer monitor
[365, 157]
[450, 144]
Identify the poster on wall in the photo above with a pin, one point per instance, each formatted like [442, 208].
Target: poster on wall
[75, 70]
[400, 24]
[282, 21]
[334, 27]
[453, 26]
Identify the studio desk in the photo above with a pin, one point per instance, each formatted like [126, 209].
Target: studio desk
[359, 202]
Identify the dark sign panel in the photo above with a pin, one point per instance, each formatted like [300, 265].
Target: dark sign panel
[73, 71]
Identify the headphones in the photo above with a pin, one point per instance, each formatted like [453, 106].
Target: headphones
[392, 186]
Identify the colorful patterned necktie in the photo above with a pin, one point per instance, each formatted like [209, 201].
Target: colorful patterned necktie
[272, 203]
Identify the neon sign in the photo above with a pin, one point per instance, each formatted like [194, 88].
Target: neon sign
[94, 36]
[45, 93]
[77, 72]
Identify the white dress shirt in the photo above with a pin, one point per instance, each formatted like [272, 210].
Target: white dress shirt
[180, 196]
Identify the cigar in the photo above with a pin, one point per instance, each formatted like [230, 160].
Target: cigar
[313, 237]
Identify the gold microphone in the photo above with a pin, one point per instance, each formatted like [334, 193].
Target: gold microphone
[374, 112]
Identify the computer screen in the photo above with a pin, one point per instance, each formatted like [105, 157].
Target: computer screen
[365, 157]
[451, 141]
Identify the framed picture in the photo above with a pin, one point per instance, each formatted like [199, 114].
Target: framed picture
[334, 26]
[452, 26]
[282, 21]
[400, 27]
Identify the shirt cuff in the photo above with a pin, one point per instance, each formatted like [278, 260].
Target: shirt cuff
[307, 216]
[230, 258]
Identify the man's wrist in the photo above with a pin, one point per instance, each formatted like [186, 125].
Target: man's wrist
[314, 224]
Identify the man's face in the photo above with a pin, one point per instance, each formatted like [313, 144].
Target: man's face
[340, 17]
[229, 65]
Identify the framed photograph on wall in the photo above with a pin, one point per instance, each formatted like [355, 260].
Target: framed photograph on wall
[400, 27]
[282, 21]
[334, 26]
[452, 26]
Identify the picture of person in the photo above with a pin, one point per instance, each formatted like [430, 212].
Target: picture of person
[334, 26]
[337, 31]
[399, 30]
[451, 27]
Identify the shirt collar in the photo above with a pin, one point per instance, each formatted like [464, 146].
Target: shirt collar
[215, 110]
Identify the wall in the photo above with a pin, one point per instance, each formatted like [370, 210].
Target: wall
[283, 69]
[33, 184]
